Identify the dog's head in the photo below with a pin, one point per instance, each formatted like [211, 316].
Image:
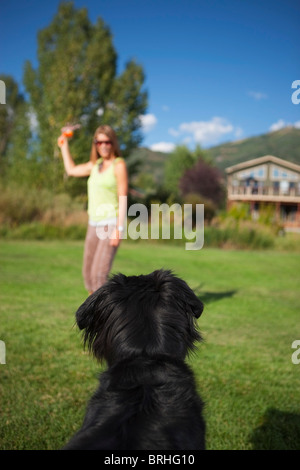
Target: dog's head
[149, 315]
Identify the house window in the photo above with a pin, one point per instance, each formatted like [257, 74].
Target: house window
[284, 187]
[276, 187]
[258, 172]
[288, 212]
[278, 173]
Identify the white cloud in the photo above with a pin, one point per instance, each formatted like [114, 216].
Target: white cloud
[207, 132]
[187, 140]
[165, 108]
[174, 132]
[277, 125]
[281, 123]
[163, 147]
[257, 95]
[238, 132]
[148, 121]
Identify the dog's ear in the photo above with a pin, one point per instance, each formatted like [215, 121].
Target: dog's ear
[183, 294]
[92, 317]
[189, 303]
[84, 316]
[181, 306]
[99, 316]
[195, 304]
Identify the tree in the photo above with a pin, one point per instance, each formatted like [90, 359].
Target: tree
[76, 81]
[205, 180]
[128, 103]
[9, 112]
[14, 130]
[178, 162]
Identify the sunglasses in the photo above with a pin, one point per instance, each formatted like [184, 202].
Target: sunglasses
[101, 142]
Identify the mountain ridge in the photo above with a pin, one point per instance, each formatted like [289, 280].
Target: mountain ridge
[284, 144]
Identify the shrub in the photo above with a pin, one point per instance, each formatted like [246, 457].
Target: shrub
[22, 205]
[209, 206]
[242, 236]
[204, 179]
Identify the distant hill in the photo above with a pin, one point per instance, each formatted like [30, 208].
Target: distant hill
[149, 162]
[284, 144]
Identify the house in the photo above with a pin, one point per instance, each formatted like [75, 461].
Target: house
[265, 181]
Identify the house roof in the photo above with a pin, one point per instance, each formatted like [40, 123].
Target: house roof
[260, 160]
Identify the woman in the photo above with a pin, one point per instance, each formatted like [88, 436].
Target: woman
[107, 203]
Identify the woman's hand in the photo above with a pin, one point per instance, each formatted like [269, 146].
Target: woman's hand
[62, 141]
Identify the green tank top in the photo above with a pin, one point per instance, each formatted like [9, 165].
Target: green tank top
[102, 193]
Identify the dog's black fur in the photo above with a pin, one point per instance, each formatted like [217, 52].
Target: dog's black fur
[143, 326]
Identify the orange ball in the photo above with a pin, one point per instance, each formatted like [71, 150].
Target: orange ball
[68, 133]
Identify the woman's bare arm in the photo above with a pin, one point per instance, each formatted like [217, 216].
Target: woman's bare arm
[122, 189]
[83, 169]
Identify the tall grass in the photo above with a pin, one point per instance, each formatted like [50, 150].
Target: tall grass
[19, 206]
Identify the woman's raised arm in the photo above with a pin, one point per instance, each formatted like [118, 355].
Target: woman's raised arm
[83, 169]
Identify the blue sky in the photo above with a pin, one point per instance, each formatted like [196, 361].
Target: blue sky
[216, 70]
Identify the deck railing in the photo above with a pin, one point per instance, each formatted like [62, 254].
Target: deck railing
[243, 190]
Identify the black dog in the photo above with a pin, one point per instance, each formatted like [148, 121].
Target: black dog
[143, 326]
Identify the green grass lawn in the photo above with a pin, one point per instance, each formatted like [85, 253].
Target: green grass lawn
[243, 370]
